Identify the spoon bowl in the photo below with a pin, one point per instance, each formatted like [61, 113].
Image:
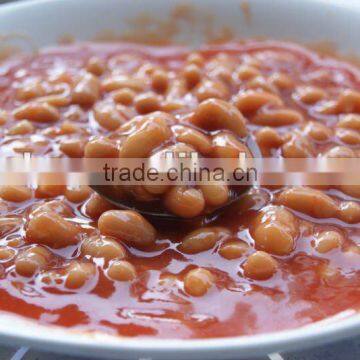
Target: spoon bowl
[155, 209]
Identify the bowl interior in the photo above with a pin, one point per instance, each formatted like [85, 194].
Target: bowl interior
[192, 22]
[45, 22]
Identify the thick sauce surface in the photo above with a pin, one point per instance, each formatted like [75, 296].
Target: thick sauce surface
[295, 104]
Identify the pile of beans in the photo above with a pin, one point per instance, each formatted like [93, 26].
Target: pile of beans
[122, 101]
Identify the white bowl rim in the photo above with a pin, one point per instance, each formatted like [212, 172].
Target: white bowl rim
[78, 341]
[317, 332]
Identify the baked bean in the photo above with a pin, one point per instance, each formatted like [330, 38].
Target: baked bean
[209, 89]
[309, 94]
[330, 107]
[348, 136]
[233, 249]
[203, 239]
[192, 75]
[49, 191]
[32, 260]
[309, 201]
[152, 134]
[96, 206]
[246, 72]
[327, 241]
[146, 103]
[215, 114]
[128, 226]
[15, 193]
[51, 229]
[349, 102]
[281, 81]
[349, 121]
[184, 201]
[56, 100]
[349, 212]
[37, 112]
[86, 91]
[73, 148]
[30, 89]
[251, 101]
[318, 131]
[273, 238]
[77, 194]
[121, 82]
[23, 127]
[103, 247]
[268, 138]
[124, 96]
[226, 145]
[121, 270]
[57, 206]
[197, 282]
[278, 117]
[275, 230]
[193, 137]
[108, 116]
[340, 152]
[260, 266]
[101, 148]
[68, 128]
[96, 66]
[215, 194]
[297, 147]
[6, 253]
[170, 106]
[4, 116]
[78, 273]
[160, 81]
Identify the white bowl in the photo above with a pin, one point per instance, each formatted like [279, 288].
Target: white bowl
[45, 21]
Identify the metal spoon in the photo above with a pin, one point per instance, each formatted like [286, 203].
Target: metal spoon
[155, 209]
